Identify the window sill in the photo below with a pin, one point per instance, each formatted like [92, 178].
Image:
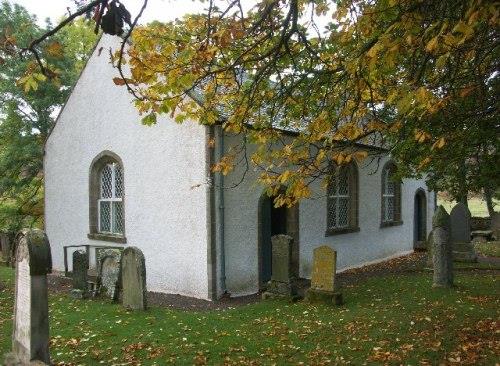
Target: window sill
[391, 223]
[331, 232]
[108, 237]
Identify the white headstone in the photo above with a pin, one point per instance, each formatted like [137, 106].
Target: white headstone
[30, 337]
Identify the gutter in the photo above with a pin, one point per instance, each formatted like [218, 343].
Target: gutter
[221, 219]
[211, 216]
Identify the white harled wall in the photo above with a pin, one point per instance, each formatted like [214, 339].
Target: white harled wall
[372, 243]
[164, 174]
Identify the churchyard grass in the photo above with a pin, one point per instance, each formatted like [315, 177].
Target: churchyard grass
[477, 206]
[393, 320]
[490, 249]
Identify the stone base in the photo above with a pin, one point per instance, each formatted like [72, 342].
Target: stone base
[11, 359]
[324, 297]
[280, 289]
[466, 257]
[420, 246]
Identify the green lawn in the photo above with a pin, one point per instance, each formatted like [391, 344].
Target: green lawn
[391, 320]
[490, 249]
[477, 206]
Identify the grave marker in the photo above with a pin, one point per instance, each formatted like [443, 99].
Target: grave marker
[110, 270]
[282, 282]
[442, 249]
[79, 278]
[133, 279]
[323, 277]
[30, 338]
[463, 250]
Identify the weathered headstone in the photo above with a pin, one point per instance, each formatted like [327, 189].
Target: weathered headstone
[323, 287]
[80, 268]
[30, 338]
[133, 279]
[460, 223]
[430, 245]
[282, 282]
[442, 249]
[495, 225]
[463, 250]
[110, 270]
[6, 248]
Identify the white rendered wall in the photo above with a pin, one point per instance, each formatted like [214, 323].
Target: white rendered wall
[371, 243]
[164, 175]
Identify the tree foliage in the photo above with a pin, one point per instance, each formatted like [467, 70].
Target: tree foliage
[29, 106]
[417, 77]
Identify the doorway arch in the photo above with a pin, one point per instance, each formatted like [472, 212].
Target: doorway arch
[419, 220]
[273, 221]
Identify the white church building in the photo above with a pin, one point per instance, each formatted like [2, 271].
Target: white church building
[110, 181]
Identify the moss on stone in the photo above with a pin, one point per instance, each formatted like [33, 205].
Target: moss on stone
[440, 218]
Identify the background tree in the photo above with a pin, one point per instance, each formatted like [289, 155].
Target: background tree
[407, 75]
[28, 108]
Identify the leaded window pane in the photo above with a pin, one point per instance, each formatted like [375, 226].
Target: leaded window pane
[343, 182]
[105, 216]
[389, 209]
[343, 216]
[111, 216]
[332, 213]
[388, 195]
[107, 182]
[118, 181]
[339, 200]
[118, 217]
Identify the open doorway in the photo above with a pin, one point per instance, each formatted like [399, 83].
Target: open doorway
[419, 220]
[274, 221]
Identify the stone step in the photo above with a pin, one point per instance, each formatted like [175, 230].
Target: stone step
[462, 247]
[464, 257]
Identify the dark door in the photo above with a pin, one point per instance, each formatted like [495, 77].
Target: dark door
[420, 220]
[273, 222]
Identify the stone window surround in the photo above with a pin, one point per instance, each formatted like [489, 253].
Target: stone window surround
[353, 204]
[397, 199]
[103, 158]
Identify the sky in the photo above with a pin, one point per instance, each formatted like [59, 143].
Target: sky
[163, 10]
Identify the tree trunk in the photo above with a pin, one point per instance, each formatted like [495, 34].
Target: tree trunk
[488, 197]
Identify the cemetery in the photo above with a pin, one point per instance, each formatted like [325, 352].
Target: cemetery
[263, 182]
[390, 312]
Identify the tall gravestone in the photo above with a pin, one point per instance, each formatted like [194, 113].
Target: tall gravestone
[282, 281]
[442, 249]
[323, 286]
[79, 277]
[110, 274]
[30, 338]
[6, 248]
[133, 279]
[463, 250]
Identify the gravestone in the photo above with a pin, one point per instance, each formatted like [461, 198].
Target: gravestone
[79, 278]
[323, 287]
[6, 251]
[463, 250]
[133, 279]
[429, 244]
[30, 338]
[442, 249]
[495, 225]
[110, 270]
[282, 283]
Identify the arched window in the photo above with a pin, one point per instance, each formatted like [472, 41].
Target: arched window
[110, 203]
[107, 193]
[342, 200]
[391, 196]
